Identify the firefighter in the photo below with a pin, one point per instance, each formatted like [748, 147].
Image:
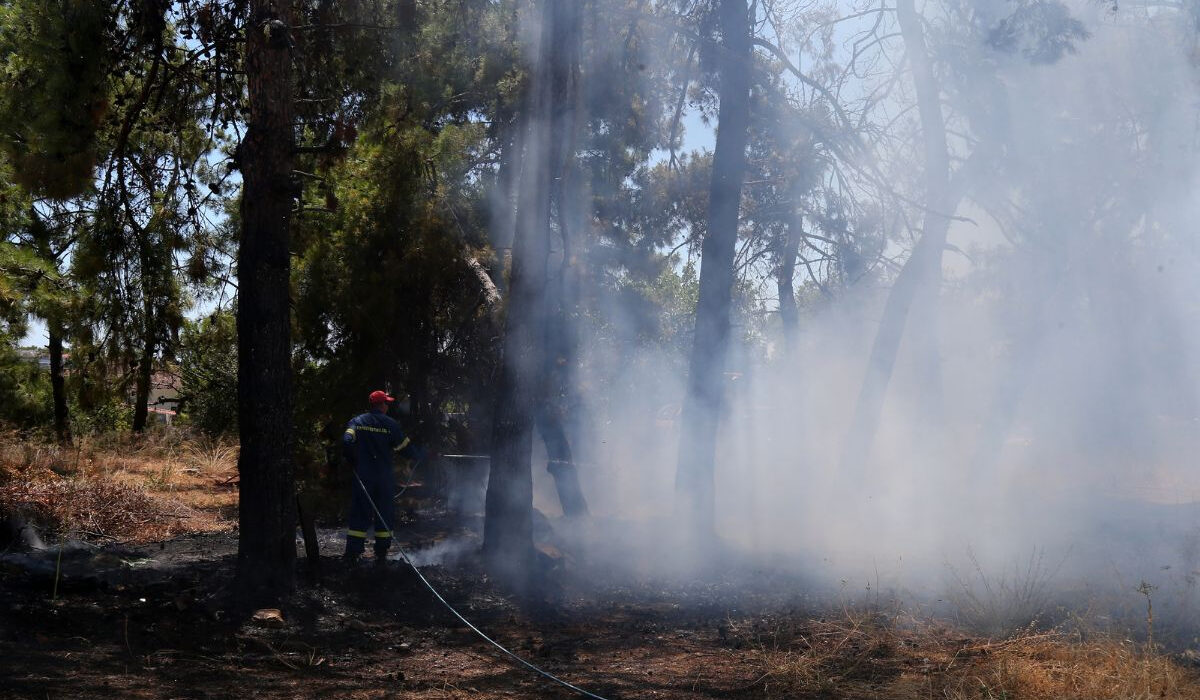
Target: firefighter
[367, 444]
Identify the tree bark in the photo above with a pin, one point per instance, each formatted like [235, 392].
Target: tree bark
[508, 524]
[54, 332]
[785, 280]
[561, 463]
[266, 507]
[570, 204]
[508, 181]
[921, 274]
[141, 391]
[705, 396]
[62, 422]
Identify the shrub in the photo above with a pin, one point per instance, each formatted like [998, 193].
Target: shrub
[208, 367]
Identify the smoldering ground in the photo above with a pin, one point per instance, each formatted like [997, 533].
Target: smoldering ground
[1051, 467]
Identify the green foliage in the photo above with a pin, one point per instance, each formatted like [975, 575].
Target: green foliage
[20, 269]
[24, 389]
[394, 228]
[382, 281]
[208, 368]
[113, 414]
[1041, 31]
[54, 62]
[410, 127]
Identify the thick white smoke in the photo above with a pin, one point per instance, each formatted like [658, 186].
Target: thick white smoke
[1068, 339]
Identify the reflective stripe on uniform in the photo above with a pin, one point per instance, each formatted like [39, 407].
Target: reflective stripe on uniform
[373, 429]
[403, 444]
[350, 432]
[356, 533]
[382, 533]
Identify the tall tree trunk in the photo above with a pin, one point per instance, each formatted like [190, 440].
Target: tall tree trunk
[141, 391]
[557, 390]
[508, 518]
[785, 280]
[62, 422]
[54, 332]
[570, 205]
[1011, 380]
[266, 507]
[921, 274]
[508, 181]
[694, 481]
[145, 371]
[423, 406]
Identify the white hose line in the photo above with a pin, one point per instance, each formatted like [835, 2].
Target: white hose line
[456, 613]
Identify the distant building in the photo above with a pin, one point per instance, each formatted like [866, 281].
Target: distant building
[165, 387]
[165, 384]
[40, 356]
[33, 356]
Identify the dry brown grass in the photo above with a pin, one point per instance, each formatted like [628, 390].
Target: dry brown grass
[128, 488]
[1053, 666]
[862, 657]
[95, 509]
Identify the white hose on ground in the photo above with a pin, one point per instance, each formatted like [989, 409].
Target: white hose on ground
[456, 613]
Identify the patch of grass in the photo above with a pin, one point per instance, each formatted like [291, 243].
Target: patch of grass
[21, 456]
[1054, 666]
[211, 456]
[129, 488]
[1001, 605]
[93, 508]
[860, 657]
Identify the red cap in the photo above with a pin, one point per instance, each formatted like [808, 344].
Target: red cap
[379, 397]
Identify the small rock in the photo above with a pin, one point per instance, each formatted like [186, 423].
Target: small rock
[269, 617]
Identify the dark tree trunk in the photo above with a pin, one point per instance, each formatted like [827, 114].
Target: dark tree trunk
[423, 405]
[141, 391]
[266, 507]
[54, 332]
[1012, 378]
[558, 392]
[921, 274]
[785, 279]
[62, 422]
[508, 524]
[145, 370]
[561, 464]
[504, 230]
[149, 268]
[706, 393]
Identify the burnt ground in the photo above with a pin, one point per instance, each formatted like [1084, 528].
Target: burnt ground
[150, 621]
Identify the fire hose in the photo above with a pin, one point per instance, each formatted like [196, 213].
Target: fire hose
[457, 614]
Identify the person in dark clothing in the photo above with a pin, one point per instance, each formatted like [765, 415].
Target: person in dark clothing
[367, 444]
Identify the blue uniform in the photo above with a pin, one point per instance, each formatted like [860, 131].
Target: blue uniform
[368, 444]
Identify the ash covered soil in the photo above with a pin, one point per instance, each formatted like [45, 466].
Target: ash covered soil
[154, 621]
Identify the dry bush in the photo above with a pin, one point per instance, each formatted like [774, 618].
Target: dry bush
[97, 509]
[211, 456]
[854, 657]
[1001, 604]
[125, 487]
[1053, 666]
[825, 656]
[19, 456]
